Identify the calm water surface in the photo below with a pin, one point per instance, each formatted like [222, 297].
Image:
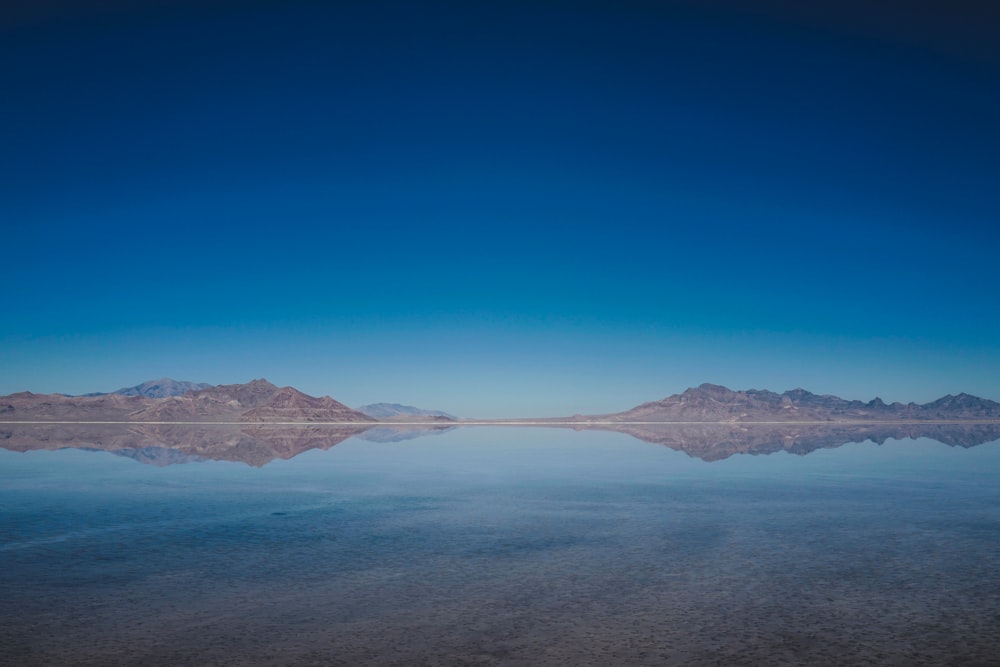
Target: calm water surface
[494, 546]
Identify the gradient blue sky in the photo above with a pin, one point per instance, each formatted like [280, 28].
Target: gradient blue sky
[502, 208]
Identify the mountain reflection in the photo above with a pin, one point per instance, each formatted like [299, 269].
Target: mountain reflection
[259, 444]
[714, 442]
[165, 444]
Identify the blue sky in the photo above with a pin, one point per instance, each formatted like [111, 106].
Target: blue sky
[501, 209]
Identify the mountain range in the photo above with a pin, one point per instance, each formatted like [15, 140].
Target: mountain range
[262, 402]
[256, 401]
[714, 403]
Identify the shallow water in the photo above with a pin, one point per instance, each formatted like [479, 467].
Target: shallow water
[500, 546]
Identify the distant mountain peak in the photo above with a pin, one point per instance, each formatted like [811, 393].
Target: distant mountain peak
[705, 389]
[798, 392]
[162, 388]
[390, 410]
[712, 388]
[290, 404]
[259, 383]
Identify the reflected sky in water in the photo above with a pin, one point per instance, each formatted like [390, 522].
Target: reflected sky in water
[504, 546]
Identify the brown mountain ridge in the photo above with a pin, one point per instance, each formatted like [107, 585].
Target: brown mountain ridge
[256, 401]
[715, 403]
[260, 401]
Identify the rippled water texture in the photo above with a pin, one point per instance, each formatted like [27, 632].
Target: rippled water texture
[502, 546]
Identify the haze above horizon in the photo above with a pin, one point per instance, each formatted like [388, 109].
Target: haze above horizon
[502, 208]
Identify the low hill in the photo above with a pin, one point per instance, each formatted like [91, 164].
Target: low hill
[398, 411]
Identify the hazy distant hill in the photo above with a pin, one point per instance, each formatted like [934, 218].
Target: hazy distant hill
[393, 410]
[162, 388]
[714, 403]
[256, 401]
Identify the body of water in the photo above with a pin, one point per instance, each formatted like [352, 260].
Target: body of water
[500, 546]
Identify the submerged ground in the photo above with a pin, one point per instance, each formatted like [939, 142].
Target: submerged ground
[504, 546]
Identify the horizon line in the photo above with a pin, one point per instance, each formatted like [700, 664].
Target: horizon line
[541, 421]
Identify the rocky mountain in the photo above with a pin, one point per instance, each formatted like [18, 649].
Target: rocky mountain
[58, 407]
[261, 401]
[289, 405]
[256, 401]
[162, 388]
[384, 411]
[714, 403]
[224, 402]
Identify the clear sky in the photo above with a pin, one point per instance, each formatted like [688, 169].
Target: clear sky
[502, 208]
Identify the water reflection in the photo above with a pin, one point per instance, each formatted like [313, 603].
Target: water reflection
[259, 444]
[498, 546]
[165, 444]
[714, 442]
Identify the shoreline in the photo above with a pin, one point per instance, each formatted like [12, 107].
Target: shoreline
[512, 422]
